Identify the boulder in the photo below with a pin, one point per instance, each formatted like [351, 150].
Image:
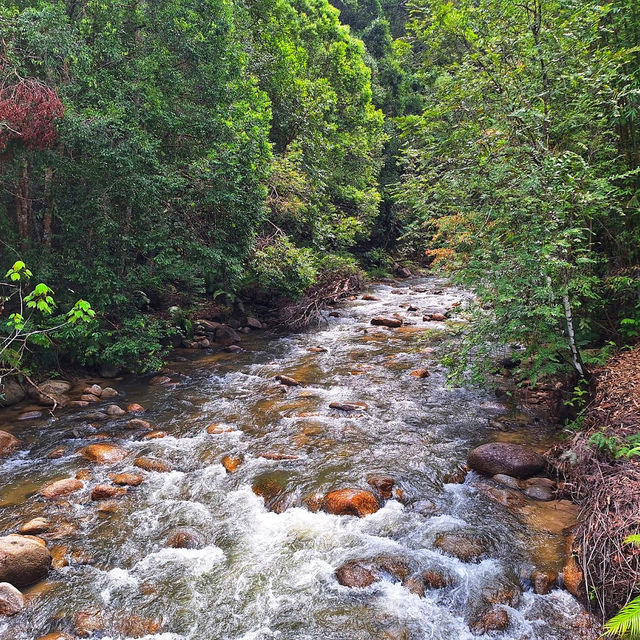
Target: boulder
[420, 373]
[154, 435]
[539, 492]
[354, 575]
[186, 539]
[370, 297]
[152, 464]
[506, 481]
[233, 348]
[461, 546]
[60, 488]
[350, 502]
[94, 390]
[138, 423]
[114, 410]
[126, 479]
[134, 407]
[23, 560]
[108, 392]
[434, 579]
[225, 335]
[505, 458]
[8, 443]
[11, 600]
[543, 581]
[287, 380]
[434, 317]
[11, 391]
[415, 586]
[493, 619]
[103, 453]
[395, 568]
[383, 321]
[254, 323]
[107, 491]
[272, 488]
[35, 526]
[383, 485]
[231, 463]
[88, 397]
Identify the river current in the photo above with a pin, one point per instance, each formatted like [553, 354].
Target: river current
[268, 571]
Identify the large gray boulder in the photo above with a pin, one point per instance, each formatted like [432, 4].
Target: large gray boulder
[505, 458]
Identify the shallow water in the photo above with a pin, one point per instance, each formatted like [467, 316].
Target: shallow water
[263, 574]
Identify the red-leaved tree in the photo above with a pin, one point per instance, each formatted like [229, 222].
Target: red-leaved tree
[28, 111]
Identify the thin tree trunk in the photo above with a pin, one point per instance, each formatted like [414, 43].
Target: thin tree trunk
[571, 334]
[49, 204]
[22, 204]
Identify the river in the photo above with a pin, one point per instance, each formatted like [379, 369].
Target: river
[257, 572]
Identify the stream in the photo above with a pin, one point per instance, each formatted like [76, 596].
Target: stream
[264, 559]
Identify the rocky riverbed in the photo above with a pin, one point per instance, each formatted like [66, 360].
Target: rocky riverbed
[324, 485]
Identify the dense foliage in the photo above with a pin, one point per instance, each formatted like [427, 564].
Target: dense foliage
[144, 147]
[521, 174]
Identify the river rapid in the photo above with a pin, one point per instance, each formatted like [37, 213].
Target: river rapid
[262, 571]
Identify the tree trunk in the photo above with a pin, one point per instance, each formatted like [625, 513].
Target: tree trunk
[49, 204]
[22, 204]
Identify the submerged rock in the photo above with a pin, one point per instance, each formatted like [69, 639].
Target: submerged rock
[493, 619]
[415, 586]
[383, 484]
[505, 458]
[87, 622]
[11, 600]
[186, 539]
[138, 423]
[60, 488]
[23, 560]
[114, 410]
[354, 575]
[461, 546]
[351, 502]
[106, 491]
[152, 464]
[126, 479]
[348, 406]
[434, 579]
[35, 526]
[543, 581]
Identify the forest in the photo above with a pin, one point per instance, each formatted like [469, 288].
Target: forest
[173, 170]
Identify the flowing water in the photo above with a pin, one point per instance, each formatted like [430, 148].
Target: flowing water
[270, 573]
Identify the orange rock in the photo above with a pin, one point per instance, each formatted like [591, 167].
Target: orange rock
[351, 502]
[277, 456]
[104, 491]
[420, 373]
[572, 578]
[86, 622]
[133, 626]
[35, 526]
[154, 435]
[56, 635]
[8, 443]
[231, 463]
[134, 407]
[138, 423]
[60, 488]
[384, 485]
[126, 479]
[59, 555]
[216, 428]
[151, 464]
[287, 381]
[103, 453]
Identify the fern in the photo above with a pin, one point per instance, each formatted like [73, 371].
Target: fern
[626, 623]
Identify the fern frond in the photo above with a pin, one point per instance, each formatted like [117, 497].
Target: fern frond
[626, 623]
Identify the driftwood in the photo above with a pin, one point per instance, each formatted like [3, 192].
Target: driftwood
[329, 289]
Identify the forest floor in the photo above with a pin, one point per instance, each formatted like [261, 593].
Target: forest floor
[602, 475]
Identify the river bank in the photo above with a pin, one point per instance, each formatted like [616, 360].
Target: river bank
[232, 529]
